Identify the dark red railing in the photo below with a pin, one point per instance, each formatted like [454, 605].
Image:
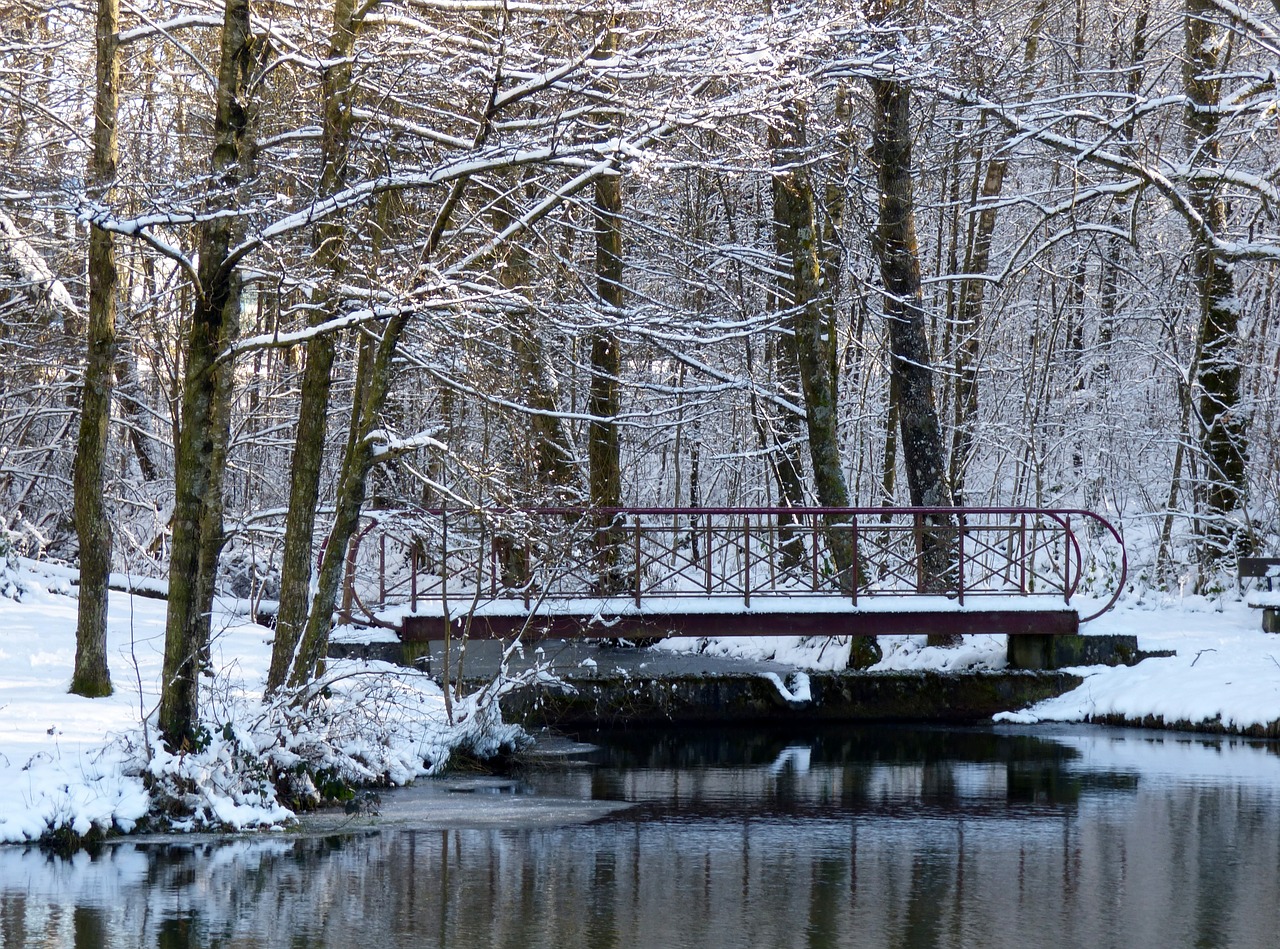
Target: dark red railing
[543, 557]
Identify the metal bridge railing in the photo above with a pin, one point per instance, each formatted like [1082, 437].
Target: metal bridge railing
[460, 559]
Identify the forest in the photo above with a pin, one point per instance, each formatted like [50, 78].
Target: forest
[268, 265]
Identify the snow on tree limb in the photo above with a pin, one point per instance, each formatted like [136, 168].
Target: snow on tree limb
[23, 263]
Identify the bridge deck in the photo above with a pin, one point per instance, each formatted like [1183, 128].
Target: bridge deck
[620, 618]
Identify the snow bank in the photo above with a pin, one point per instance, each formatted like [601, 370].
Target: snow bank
[75, 765]
[1226, 673]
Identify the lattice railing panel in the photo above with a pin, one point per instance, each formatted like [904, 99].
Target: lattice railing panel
[415, 557]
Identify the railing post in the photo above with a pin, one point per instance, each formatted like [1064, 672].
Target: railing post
[494, 564]
[707, 553]
[528, 572]
[1022, 554]
[413, 579]
[771, 544]
[813, 570]
[637, 581]
[382, 571]
[853, 581]
[746, 559]
[918, 530]
[349, 588]
[960, 558]
[444, 571]
[1066, 558]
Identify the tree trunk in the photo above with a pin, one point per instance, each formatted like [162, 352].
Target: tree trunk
[795, 220]
[552, 474]
[133, 405]
[969, 324]
[212, 535]
[909, 356]
[811, 341]
[603, 401]
[1222, 435]
[313, 410]
[911, 362]
[373, 381]
[197, 445]
[92, 676]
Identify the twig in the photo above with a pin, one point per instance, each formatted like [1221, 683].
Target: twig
[133, 656]
[1202, 652]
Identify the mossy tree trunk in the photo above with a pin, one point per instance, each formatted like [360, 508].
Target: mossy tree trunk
[309, 438]
[1222, 436]
[92, 676]
[198, 448]
[374, 374]
[809, 335]
[788, 466]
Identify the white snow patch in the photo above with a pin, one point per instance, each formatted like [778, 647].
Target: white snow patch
[77, 764]
[795, 690]
[1226, 669]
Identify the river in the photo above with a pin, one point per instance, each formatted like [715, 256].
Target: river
[874, 836]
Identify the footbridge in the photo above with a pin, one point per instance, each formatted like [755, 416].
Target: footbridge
[652, 572]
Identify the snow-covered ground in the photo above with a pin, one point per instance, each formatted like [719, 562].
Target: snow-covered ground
[1226, 671]
[68, 762]
[75, 763]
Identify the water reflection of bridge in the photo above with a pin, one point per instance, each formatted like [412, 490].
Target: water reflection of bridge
[934, 839]
[655, 572]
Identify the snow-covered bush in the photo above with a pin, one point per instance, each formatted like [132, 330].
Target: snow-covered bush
[247, 574]
[363, 724]
[11, 586]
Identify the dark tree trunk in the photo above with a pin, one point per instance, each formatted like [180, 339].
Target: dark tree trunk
[197, 447]
[910, 359]
[1222, 435]
[911, 362]
[313, 410]
[92, 676]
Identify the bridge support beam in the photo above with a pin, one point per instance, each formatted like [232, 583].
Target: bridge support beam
[606, 624]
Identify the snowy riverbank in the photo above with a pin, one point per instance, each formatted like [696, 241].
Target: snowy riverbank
[74, 764]
[77, 764]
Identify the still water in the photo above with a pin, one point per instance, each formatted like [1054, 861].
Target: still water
[868, 837]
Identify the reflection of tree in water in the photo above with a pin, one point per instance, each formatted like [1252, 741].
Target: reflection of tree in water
[819, 852]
